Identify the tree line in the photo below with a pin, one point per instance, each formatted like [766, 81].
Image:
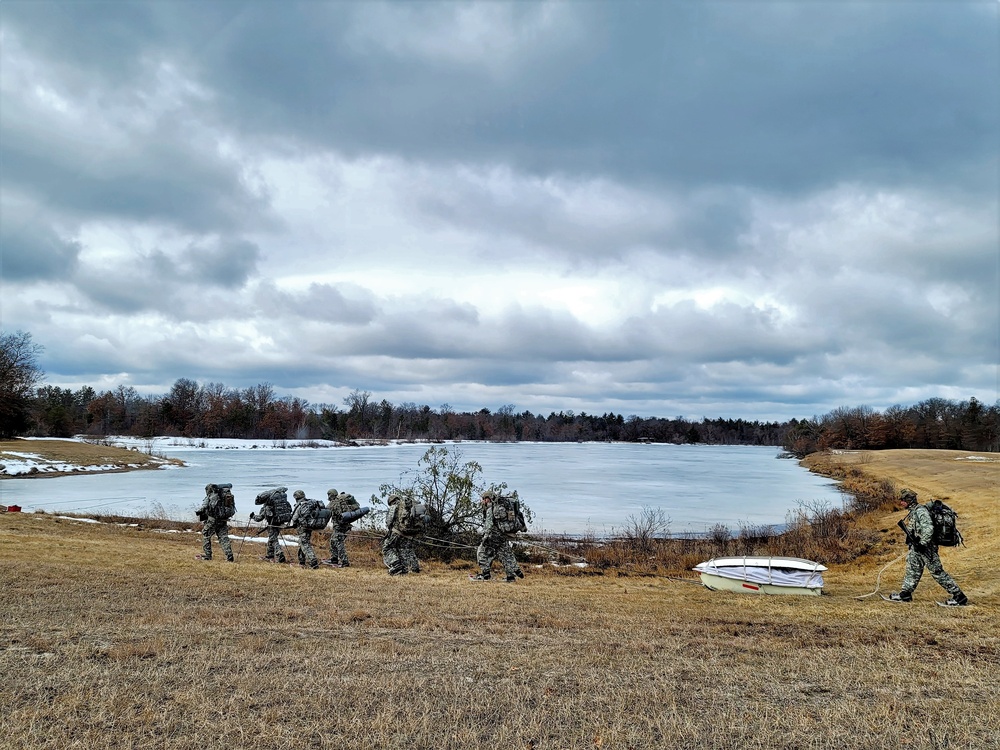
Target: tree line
[214, 410]
[932, 423]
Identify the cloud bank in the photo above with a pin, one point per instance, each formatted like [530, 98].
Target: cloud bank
[762, 211]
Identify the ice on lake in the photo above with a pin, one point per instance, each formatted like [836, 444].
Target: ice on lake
[571, 487]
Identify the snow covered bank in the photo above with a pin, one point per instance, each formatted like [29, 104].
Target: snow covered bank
[19, 463]
[177, 444]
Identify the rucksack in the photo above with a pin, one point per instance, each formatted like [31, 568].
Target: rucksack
[507, 515]
[349, 504]
[347, 509]
[414, 517]
[219, 506]
[282, 510]
[946, 533]
[277, 502]
[315, 517]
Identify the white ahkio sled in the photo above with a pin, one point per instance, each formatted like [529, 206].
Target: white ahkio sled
[763, 575]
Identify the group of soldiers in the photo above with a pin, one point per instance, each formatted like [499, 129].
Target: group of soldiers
[405, 519]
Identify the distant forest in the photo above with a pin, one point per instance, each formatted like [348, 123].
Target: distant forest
[216, 411]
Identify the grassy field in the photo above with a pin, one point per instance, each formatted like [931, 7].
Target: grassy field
[115, 637]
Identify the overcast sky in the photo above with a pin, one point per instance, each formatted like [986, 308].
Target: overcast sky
[759, 210]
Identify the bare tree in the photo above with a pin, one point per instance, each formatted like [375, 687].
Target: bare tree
[643, 528]
[359, 413]
[19, 373]
[505, 423]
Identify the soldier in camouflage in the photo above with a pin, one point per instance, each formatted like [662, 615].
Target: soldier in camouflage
[397, 548]
[299, 514]
[274, 551]
[215, 497]
[495, 545]
[919, 528]
[331, 503]
[339, 503]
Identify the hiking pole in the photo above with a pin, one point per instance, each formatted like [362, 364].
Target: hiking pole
[244, 539]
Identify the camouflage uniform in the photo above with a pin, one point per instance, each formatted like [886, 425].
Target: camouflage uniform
[495, 545]
[923, 553]
[306, 553]
[397, 549]
[217, 526]
[339, 504]
[274, 549]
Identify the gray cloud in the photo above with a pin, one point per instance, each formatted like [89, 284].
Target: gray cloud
[763, 95]
[31, 249]
[320, 302]
[193, 283]
[228, 264]
[152, 176]
[763, 209]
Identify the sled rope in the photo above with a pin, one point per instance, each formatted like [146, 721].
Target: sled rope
[878, 579]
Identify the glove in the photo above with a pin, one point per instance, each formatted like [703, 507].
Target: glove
[252, 518]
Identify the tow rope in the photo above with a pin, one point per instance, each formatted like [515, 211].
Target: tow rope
[878, 579]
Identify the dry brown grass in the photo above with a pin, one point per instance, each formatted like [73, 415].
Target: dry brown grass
[114, 637]
[57, 452]
[969, 485]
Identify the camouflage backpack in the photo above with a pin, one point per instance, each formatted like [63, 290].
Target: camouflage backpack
[348, 503]
[946, 533]
[345, 508]
[507, 514]
[413, 518]
[281, 509]
[315, 516]
[277, 509]
[222, 504]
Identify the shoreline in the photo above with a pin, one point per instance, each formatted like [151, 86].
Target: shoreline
[32, 458]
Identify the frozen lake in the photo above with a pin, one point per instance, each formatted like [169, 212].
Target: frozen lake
[571, 487]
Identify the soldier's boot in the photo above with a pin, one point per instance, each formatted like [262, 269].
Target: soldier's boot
[282, 560]
[314, 564]
[230, 558]
[207, 558]
[958, 600]
[902, 596]
[510, 579]
[397, 571]
[480, 577]
[519, 573]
